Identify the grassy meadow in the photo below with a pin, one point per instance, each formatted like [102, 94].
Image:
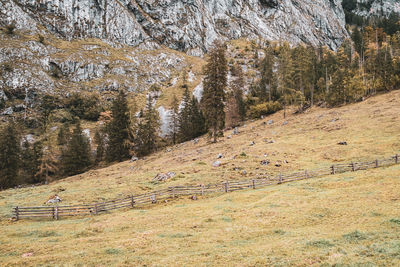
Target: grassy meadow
[351, 219]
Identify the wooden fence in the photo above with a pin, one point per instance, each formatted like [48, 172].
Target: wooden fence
[133, 201]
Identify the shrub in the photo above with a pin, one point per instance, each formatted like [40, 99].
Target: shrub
[7, 67]
[10, 28]
[41, 39]
[263, 109]
[320, 244]
[355, 236]
[396, 221]
[84, 106]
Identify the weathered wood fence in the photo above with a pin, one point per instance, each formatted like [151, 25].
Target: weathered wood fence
[133, 201]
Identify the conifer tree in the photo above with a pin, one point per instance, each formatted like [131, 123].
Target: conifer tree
[76, 156]
[174, 118]
[10, 155]
[48, 164]
[197, 119]
[146, 137]
[215, 83]
[63, 135]
[235, 106]
[118, 130]
[28, 161]
[185, 127]
[266, 90]
[99, 140]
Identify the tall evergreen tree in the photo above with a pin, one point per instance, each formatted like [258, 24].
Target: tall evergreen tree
[185, 125]
[118, 130]
[99, 140]
[174, 118]
[235, 106]
[63, 135]
[215, 83]
[29, 163]
[146, 137]
[10, 159]
[48, 165]
[76, 156]
[197, 119]
[266, 87]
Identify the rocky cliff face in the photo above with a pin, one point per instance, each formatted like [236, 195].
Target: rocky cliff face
[377, 7]
[186, 25]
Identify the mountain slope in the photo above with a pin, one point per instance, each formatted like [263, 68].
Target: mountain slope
[344, 219]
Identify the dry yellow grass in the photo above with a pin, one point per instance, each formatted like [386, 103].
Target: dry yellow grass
[350, 218]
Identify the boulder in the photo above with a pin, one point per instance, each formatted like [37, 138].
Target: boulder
[216, 163]
[133, 159]
[342, 143]
[285, 123]
[220, 156]
[252, 143]
[162, 177]
[270, 122]
[236, 130]
[265, 162]
[8, 111]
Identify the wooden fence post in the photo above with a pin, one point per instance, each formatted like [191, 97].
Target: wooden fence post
[306, 174]
[16, 213]
[280, 178]
[132, 202]
[226, 187]
[153, 198]
[254, 183]
[396, 159]
[376, 163]
[353, 168]
[56, 213]
[202, 189]
[95, 209]
[333, 169]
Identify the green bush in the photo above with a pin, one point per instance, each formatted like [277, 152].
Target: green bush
[10, 28]
[84, 106]
[263, 109]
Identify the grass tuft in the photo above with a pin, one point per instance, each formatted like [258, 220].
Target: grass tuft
[395, 221]
[113, 251]
[355, 236]
[320, 244]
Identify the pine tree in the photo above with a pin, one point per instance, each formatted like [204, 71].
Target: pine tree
[185, 127]
[215, 83]
[76, 156]
[10, 159]
[235, 106]
[174, 118]
[63, 135]
[146, 137]
[118, 130]
[266, 87]
[197, 120]
[99, 140]
[48, 164]
[28, 161]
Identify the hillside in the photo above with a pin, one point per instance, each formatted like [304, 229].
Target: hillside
[344, 219]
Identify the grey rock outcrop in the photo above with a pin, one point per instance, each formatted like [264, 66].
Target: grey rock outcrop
[185, 25]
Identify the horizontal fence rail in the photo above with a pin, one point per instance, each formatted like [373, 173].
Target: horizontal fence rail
[133, 201]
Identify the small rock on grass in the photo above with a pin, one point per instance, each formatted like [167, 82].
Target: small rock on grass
[216, 163]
